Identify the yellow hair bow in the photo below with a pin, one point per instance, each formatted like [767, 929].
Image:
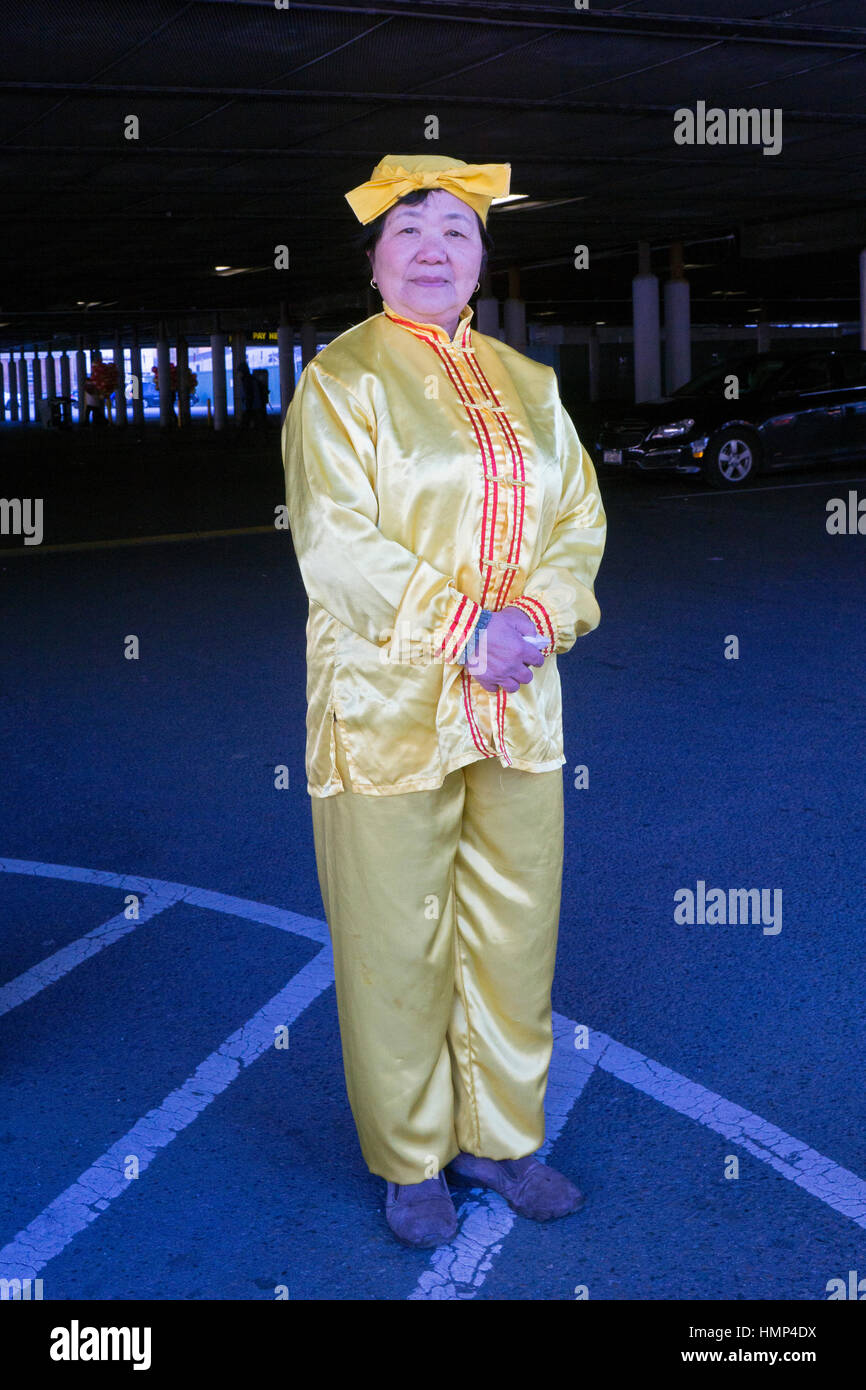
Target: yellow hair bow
[397, 175]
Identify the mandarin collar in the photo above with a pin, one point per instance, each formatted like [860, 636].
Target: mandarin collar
[435, 330]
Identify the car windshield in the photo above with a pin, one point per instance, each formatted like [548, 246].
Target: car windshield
[751, 372]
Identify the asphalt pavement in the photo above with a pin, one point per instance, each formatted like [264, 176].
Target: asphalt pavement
[159, 1142]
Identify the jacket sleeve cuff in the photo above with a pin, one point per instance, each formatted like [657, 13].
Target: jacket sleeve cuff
[541, 617]
[459, 629]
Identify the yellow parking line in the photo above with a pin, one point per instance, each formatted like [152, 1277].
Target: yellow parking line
[132, 540]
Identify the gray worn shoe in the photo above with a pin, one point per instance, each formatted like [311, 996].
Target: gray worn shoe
[532, 1189]
[421, 1213]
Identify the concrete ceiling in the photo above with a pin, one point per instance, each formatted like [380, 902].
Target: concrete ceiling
[254, 120]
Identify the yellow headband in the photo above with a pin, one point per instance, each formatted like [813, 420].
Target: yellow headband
[399, 174]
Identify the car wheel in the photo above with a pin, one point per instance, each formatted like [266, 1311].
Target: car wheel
[731, 459]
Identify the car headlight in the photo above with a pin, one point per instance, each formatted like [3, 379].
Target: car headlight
[673, 430]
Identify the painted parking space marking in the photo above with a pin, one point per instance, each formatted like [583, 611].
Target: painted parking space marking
[157, 896]
[794, 1159]
[121, 542]
[84, 1200]
[457, 1270]
[54, 967]
[747, 491]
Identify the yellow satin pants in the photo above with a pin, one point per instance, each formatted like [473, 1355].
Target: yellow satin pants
[443, 911]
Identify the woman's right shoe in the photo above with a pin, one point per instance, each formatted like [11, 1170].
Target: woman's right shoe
[421, 1213]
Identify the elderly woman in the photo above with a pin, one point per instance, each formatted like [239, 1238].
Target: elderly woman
[448, 528]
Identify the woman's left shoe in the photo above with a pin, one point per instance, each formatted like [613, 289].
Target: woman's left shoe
[531, 1188]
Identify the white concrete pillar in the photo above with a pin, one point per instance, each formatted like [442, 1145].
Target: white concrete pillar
[863, 300]
[12, 386]
[38, 388]
[120, 390]
[678, 334]
[647, 336]
[486, 318]
[49, 388]
[594, 363]
[23, 389]
[514, 323]
[80, 378]
[308, 343]
[286, 358]
[65, 388]
[218, 369]
[183, 412]
[239, 356]
[514, 312]
[136, 378]
[163, 367]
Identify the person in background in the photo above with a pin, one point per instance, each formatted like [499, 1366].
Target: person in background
[94, 406]
[248, 393]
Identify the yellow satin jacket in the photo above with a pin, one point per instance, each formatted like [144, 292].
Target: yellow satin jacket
[427, 478]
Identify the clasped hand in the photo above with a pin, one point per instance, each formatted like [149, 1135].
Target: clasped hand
[508, 659]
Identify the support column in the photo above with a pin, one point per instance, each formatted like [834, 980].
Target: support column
[647, 338]
[96, 359]
[286, 355]
[594, 363]
[137, 382]
[80, 378]
[23, 389]
[12, 378]
[514, 312]
[863, 300]
[183, 412]
[487, 315]
[238, 356]
[308, 342]
[218, 371]
[38, 389]
[50, 414]
[65, 388]
[163, 366]
[120, 390]
[763, 332]
[487, 308]
[3, 392]
[678, 323]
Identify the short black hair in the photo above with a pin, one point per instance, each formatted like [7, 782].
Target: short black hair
[369, 235]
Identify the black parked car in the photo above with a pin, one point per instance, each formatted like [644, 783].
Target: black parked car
[786, 409]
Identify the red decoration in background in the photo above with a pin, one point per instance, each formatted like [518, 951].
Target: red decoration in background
[191, 379]
[104, 377]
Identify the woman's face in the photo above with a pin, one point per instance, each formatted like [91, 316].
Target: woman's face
[426, 261]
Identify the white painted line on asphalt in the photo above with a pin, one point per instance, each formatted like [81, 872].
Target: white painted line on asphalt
[458, 1270]
[247, 908]
[747, 491]
[54, 967]
[793, 1158]
[63, 1219]
[157, 896]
